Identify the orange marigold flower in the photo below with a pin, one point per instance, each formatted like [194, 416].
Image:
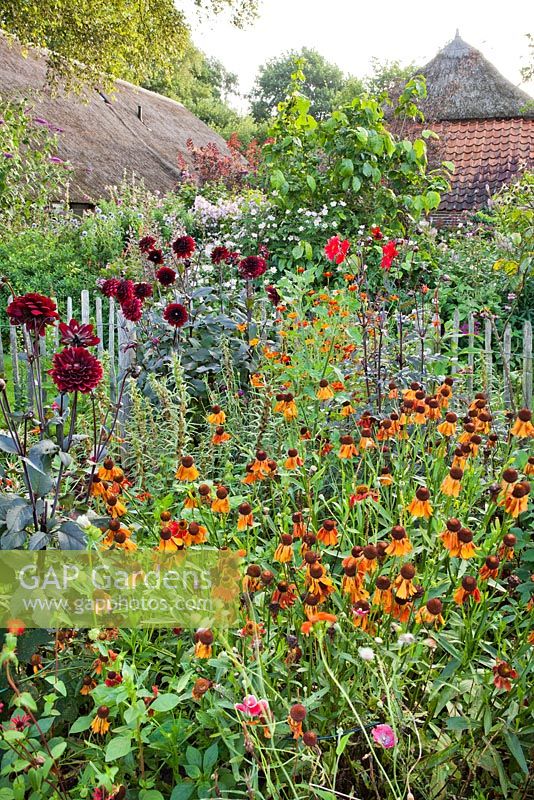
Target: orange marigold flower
[348, 448]
[352, 581]
[284, 552]
[220, 436]
[448, 426]
[187, 471]
[299, 527]
[328, 533]
[400, 544]
[529, 466]
[468, 588]
[383, 595]
[98, 487]
[368, 562]
[503, 675]
[385, 477]
[517, 502]
[360, 614]
[404, 588]
[221, 504]
[88, 684]
[506, 550]
[203, 643]
[452, 483]
[523, 427]
[320, 616]
[285, 595]
[324, 392]
[100, 725]
[490, 568]
[293, 460]
[466, 548]
[245, 519]
[420, 505]
[449, 537]
[109, 472]
[297, 715]
[431, 613]
[217, 416]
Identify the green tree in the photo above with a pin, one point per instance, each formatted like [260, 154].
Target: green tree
[389, 77]
[120, 38]
[323, 82]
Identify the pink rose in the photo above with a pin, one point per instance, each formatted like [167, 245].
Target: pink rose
[253, 707]
[384, 735]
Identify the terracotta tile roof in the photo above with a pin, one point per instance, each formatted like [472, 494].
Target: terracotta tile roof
[487, 153]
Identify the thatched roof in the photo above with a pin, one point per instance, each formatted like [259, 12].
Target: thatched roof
[462, 84]
[105, 136]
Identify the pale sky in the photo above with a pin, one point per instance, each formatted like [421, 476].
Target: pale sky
[350, 32]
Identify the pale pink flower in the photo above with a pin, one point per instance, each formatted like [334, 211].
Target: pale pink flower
[385, 736]
[253, 707]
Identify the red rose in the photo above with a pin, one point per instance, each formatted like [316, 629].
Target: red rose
[166, 276]
[75, 369]
[36, 311]
[176, 315]
[252, 267]
[146, 244]
[155, 256]
[184, 246]
[143, 290]
[109, 287]
[219, 254]
[132, 309]
[76, 335]
[389, 251]
[336, 250]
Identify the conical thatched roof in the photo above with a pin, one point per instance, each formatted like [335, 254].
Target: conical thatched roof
[130, 131]
[462, 84]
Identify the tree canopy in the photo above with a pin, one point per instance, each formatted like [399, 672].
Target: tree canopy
[323, 81]
[117, 38]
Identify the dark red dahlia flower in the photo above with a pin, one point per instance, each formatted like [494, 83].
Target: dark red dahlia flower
[109, 287]
[219, 254]
[176, 314]
[146, 244]
[155, 256]
[166, 276]
[252, 267]
[273, 295]
[124, 290]
[184, 246]
[76, 335]
[143, 290]
[36, 311]
[132, 309]
[75, 369]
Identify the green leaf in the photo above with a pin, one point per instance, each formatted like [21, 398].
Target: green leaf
[118, 748]
[164, 702]
[81, 724]
[210, 758]
[310, 180]
[297, 252]
[356, 184]
[182, 792]
[150, 794]
[58, 685]
[193, 756]
[457, 723]
[7, 444]
[514, 746]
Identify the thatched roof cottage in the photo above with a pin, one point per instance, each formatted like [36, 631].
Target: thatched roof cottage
[106, 136]
[485, 124]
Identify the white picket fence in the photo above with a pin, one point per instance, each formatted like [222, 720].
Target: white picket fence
[481, 355]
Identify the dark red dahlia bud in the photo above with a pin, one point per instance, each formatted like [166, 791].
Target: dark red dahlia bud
[204, 635]
[454, 525]
[383, 583]
[422, 494]
[434, 606]
[253, 571]
[297, 712]
[102, 712]
[408, 571]
[398, 533]
[245, 509]
[310, 738]
[469, 584]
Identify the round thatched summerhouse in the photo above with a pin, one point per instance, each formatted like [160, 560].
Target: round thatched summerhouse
[485, 124]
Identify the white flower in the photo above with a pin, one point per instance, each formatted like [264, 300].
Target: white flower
[83, 521]
[406, 638]
[366, 653]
